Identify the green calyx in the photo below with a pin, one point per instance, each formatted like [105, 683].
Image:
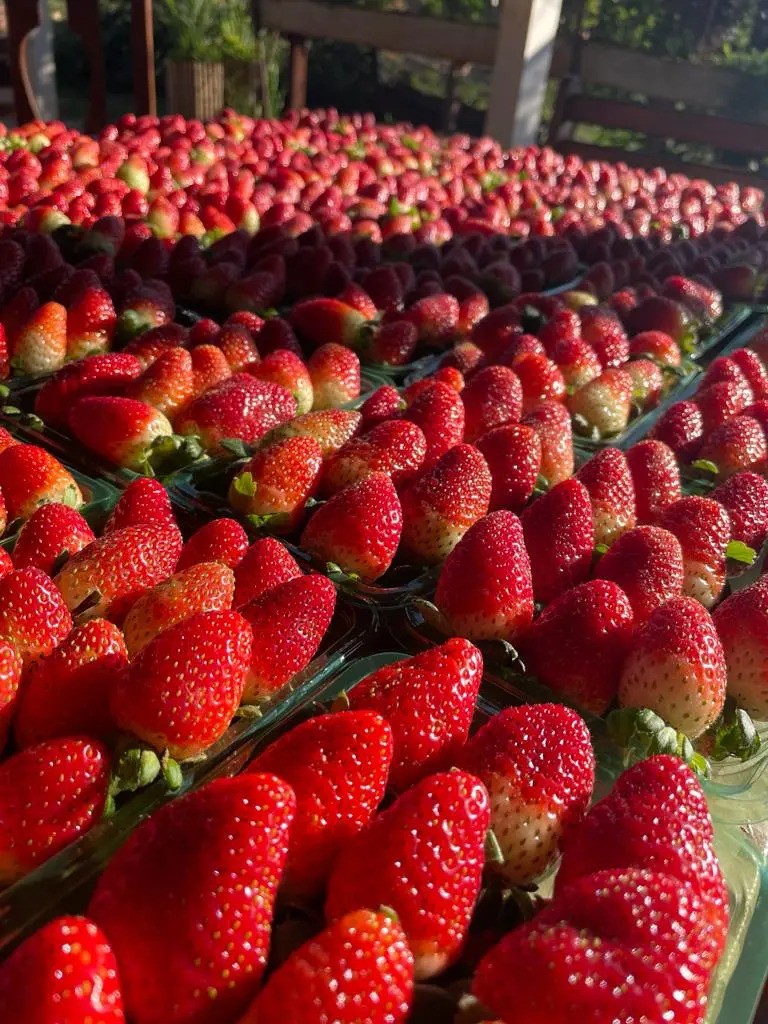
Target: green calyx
[169, 453]
[732, 735]
[738, 551]
[641, 733]
[705, 466]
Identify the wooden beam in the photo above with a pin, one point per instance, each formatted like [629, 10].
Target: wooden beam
[23, 17]
[524, 51]
[298, 73]
[143, 48]
[83, 19]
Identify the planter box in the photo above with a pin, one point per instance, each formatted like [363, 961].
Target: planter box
[194, 89]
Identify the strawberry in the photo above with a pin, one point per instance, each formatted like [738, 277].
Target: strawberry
[331, 428]
[220, 540]
[745, 498]
[209, 368]
[167, 384]
[492, 397]
[724, 369]
[540, 379]
[205, 587]
[552, 422]
[91, 321]
[68, 692]
[647, 382]
[181, 692]
[538, 766]
[704, 302]
[466, 356]
[7, 440]
[741, 622]
[93, 375]
[602, 329]
[513, 456]
[658, 313]
[429, 700]
[736, 445]
[680, 427]
[602, 407]
[441, 821]
[240, 407]
[559, 538]
[647, 563]
[337, 765]
[611, 492]
[107, 576]
[676, 667]
[123, 431]
[273, 488]
[17, 312]
[439, 411]
[10, 677]
[30, 477]
[658, 346]
[577, 361]
[484, 591]
[289, 622]
[395, 447]
[384, 403]
[147, 347]
[358, 529]
[52, 534]
[149, 304]
[436, 318]
[393, 343]
[722, 401]
[216, 898]
[50, 794]
[266, 564]
[144, 502]
[359, 968]
[335, 375]
[384, 287]
[33, 614]
[74, 972]
[320, 321]
[238, 346]
[443, 502]
[703, 528]
[754, 370]
[259, 291]
[655, 476]
[286, 368]
[275, 334]
[40, 346]
[578, 643]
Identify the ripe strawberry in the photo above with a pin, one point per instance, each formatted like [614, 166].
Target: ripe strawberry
[680, 427]
[655, 476]
[151, 344]
[538, 766]
[647, 382]
[703, 528]
[658, 313]
[49, 795]
[144, 502]
[724, 369]
[52, 534]
[30, 477]
[240, 407]
[66, 967]
[209, 368]
[320, 321]
[10, 677]
[107, 576]
[577, 361]
[611, 492]
[358, 529]
[540, 380]
[443, 502]
[181, 692]
[148, 304]
[238, 346]
[552, 422]
[741, 622]
[658, 346]
[736, 445]
[121, 430]
[758, 411]
[394, 447]
[167, 384]
[439, 411]
[359, 968]
[429, 700]
[466, 356]
[17, 312]
[331, 428]
[33, 615]
[68, 692]
[216, 898]
[704, 302]
[91, 321]
[754, 370]
[335, 375]
[286, 368]
[384, 403]
[676, 667]
[722, 401]
[337, 765]
[384, 287]
[259, 291]
[647, 563]
[484, 591]
[513, 456]
[220, 540]
[275, 334]
[559, 539]
[441, 821]
[266, 564]
[745, 498]
[493, 397]
[436, 318]
[602, 329]
[274, 487]
[94, 375]
[602, 407]
[40, 345]
[393, 343]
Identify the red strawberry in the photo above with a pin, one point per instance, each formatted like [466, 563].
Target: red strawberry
[149, 304]
[337, 765]
[741, 622]
[724, 369]
[658, 346]
[465, 356]
[275, 334]
[359, 968]
[74, 972]
[647, 563]
[30, 477]
[658, 313]
[552, 422]
[358, 529]
[286, 368]
[656, 478]
[393, 343]
[429, 700]
[40, 346]
[385, 403]
[10, 677]
[577, 361]
[745, 497]
[106, 577]
[736, 445]
[209, 368]
[722, 401]
[395, 447]
[612, 493]
[220, 540]
[331, 428]
[384, 287]
[144, 502]
[602, 407]
[182, 691]
[704, 302]
[439, 411]
[167, 384]
[68, 692]
[274, 487]
[266, 564]
[484, 591]
[578, 643]
[538, 766]
[680, 427]
[440, 822]
[121, 430]
[238, 346]
[513, 455]
[559, 538]
[647, 382]
[289, 622]
[91, 321]
[492, 397]
[703, 528]
[240, 407]
[335, 374]
[753, 369]
[151, 344]
[215, 897]
[540, 379]
[436, 318]
[602, 329]
[92, 376]
[49, 795]
[259, 291]
[319, 321]
[443, 502]
[51, 535]
[33, 615]
[17, 312]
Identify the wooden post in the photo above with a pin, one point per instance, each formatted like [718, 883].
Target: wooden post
[83, 20]
[526, 38]
[143, 46]
[23, 18]
[299, 69]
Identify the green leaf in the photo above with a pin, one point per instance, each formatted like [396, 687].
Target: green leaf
[738, 551]
[733, 735]
[705, 466]
[493, 854]
[600, 549]
[235, 446]
[244, 484]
